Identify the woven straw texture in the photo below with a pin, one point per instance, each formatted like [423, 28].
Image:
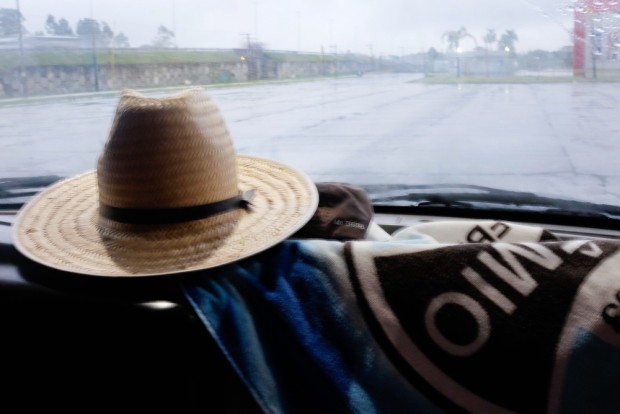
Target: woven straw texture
[164, 153]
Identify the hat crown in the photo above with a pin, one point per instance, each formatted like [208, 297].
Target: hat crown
[165, 197]
[166, 153]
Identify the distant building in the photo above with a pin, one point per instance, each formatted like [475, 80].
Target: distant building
[475, 63]
[484, 62]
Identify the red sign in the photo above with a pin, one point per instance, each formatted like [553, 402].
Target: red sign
[582, 8]
[598, 6]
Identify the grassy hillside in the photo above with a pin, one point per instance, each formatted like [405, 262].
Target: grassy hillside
[11, 59]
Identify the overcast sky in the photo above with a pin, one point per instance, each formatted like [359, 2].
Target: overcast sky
[383, 26]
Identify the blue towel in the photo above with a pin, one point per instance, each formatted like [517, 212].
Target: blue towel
[417, 324]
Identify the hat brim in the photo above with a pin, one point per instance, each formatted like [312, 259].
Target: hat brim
[61, 227]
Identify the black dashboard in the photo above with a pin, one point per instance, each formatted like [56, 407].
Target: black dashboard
[79, 343]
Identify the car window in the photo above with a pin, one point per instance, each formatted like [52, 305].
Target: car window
[481, 102]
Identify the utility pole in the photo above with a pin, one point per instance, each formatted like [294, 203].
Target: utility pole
[174, 19]
[22, 73]
[298, 33]
[250, 58]
[256, 19]
[94, 48]
[247, 40]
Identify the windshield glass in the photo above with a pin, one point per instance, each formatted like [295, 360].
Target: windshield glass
[518, 96]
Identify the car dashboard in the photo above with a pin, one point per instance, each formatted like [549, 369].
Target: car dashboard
[104, 343]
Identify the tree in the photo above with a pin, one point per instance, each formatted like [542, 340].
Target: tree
[63, 28]
[11, 23]
[60, 28]
[164, 37]
[50, 25]
[489, 38]
[432, 53]
[92, 29]
[507, 41]
[120, 40]
[107, 35]
[88, 28]
[454, 38]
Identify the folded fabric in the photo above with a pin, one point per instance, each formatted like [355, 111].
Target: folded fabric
[416, 325]
[344, 213]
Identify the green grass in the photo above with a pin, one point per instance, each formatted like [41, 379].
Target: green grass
[10, 60]
[314, 57]
[295, 57]
[132, 58]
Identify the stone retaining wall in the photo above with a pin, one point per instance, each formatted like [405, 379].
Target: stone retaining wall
[62, 79]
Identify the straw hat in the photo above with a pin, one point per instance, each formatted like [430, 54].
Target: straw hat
[169, 195]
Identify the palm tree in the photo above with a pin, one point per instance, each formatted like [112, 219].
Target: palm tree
[454, 38]
[507, 41]
[490, 38]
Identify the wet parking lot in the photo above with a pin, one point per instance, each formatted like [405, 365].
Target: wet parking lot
[552, 138]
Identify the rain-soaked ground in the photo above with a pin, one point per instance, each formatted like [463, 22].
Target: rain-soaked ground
[552, 138]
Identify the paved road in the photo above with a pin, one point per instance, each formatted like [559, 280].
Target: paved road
[558, 139]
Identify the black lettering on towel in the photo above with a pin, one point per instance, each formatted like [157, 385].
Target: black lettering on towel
[488, 315]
